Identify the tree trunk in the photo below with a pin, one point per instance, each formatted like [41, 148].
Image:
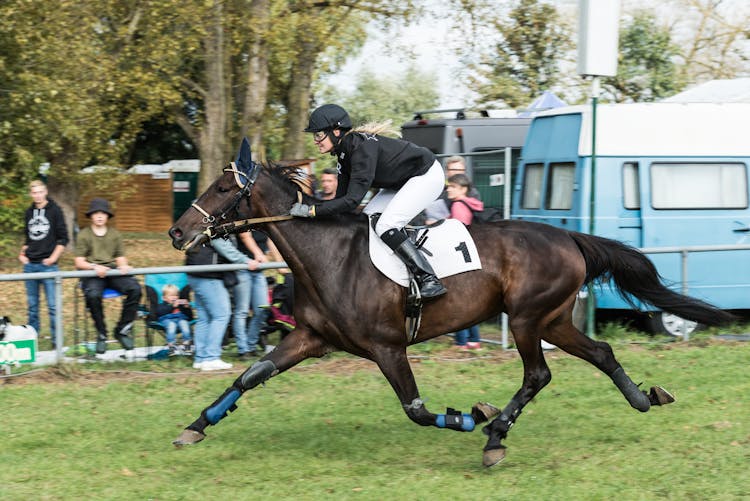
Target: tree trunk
[298, 101]
[213, 134]
[256, 92]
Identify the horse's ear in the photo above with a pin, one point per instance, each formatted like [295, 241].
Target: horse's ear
[244, 157]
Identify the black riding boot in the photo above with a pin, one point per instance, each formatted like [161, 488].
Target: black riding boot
[429, 285]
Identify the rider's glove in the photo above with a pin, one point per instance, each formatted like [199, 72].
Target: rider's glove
[302, 210]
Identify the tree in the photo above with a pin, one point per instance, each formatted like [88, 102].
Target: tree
[525, 60]
[713, 36]
[375, 99]
[646, 69]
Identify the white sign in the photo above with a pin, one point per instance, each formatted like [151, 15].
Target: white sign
[181, 186]
[598, 30]
[497, 179]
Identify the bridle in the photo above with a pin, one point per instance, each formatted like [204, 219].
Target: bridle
[229, 227]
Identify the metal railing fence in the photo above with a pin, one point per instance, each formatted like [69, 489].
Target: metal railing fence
[59, 276]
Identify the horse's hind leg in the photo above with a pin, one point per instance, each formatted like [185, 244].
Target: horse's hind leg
[564, 335]
[536, 375]
[395, 367]
[294, 348]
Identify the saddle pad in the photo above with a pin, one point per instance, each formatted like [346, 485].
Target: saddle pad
[450, 250]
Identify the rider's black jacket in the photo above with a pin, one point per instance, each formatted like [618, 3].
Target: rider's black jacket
[372, 161]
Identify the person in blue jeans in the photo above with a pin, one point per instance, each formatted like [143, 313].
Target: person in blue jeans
[251, 290]
[45, 239]
[212, 308]
[468, 339]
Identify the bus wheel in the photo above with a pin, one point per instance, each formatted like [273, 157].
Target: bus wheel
[661, 322]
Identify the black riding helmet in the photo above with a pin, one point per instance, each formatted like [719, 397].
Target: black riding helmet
[329, 117]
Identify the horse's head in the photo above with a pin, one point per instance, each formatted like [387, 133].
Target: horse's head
[226, 200]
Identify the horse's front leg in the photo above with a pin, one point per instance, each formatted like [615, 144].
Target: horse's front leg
[294, 348]
[395, 367]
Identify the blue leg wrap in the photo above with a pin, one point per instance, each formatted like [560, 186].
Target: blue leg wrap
[225, 404]
[455, 420]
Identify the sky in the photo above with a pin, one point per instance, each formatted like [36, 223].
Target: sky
[429, 43]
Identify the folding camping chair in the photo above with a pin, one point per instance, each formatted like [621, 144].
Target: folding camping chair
[153, 284]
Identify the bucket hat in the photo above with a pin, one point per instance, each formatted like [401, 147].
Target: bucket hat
[99, 205]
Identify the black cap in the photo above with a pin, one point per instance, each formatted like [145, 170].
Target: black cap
[99, 205]
[329, 116]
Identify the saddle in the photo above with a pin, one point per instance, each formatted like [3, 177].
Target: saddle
[446, 244]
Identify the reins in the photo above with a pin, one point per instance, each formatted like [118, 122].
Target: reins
[228, 228]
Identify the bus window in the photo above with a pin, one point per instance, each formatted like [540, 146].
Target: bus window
[698, 186]
[560, 189]
[532, 186]
[631, 187]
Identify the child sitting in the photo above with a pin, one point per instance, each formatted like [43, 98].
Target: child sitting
[174, 313]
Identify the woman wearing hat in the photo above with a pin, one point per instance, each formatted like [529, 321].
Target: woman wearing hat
[99, 248]
[409, 178]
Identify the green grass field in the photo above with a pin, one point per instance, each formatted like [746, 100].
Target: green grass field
[334, 430]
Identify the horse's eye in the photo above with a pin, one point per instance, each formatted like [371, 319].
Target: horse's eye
[222, 189]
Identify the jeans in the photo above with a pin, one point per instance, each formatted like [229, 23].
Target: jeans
[470, 334]
[212, 308]
[32, 296]
[170, 330]
[251, 291]
[258, 299]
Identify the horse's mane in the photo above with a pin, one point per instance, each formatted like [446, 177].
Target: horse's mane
[292, 180]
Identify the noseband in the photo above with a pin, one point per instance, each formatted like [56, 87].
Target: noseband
[228, 227]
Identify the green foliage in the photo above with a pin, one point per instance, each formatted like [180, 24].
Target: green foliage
[525, 61]
[646, 69]
[377, 98]
[12, 206]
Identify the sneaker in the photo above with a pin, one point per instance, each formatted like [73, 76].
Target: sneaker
[473, 345]
[215, 365]
[123, 336]
[171, 350]
[197, 365]
[187, 347]
[101, 346]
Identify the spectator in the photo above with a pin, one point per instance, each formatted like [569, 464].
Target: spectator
[440, 208]
[329, 182]
[212, 307]
[174, 313]
[100, 248]
[45, 240]
[462, 207]
[251, 290]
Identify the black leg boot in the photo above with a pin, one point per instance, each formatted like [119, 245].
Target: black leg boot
[429, 285]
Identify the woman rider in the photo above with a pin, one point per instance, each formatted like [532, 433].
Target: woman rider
[409, 176]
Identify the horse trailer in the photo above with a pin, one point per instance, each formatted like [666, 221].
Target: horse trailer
[480, 140]
[668, 178]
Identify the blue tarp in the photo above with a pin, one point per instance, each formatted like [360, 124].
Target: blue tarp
[546, 101]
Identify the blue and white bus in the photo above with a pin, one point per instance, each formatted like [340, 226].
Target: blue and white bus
[666, 175]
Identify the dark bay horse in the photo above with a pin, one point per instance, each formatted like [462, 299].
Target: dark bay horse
[342, 302]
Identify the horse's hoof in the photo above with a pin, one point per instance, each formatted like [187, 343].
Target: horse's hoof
[493, 456]
[483, 411]
[660, 396]
[188, 437]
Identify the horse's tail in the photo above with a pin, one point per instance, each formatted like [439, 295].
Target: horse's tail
[635, 275]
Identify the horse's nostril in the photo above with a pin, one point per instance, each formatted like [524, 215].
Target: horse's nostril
[175, 233]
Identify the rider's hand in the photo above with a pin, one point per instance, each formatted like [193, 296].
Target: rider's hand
[302, 210]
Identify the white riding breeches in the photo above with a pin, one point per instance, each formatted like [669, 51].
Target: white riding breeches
[397, 208]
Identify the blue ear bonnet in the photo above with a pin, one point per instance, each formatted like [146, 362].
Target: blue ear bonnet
[245, 163]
